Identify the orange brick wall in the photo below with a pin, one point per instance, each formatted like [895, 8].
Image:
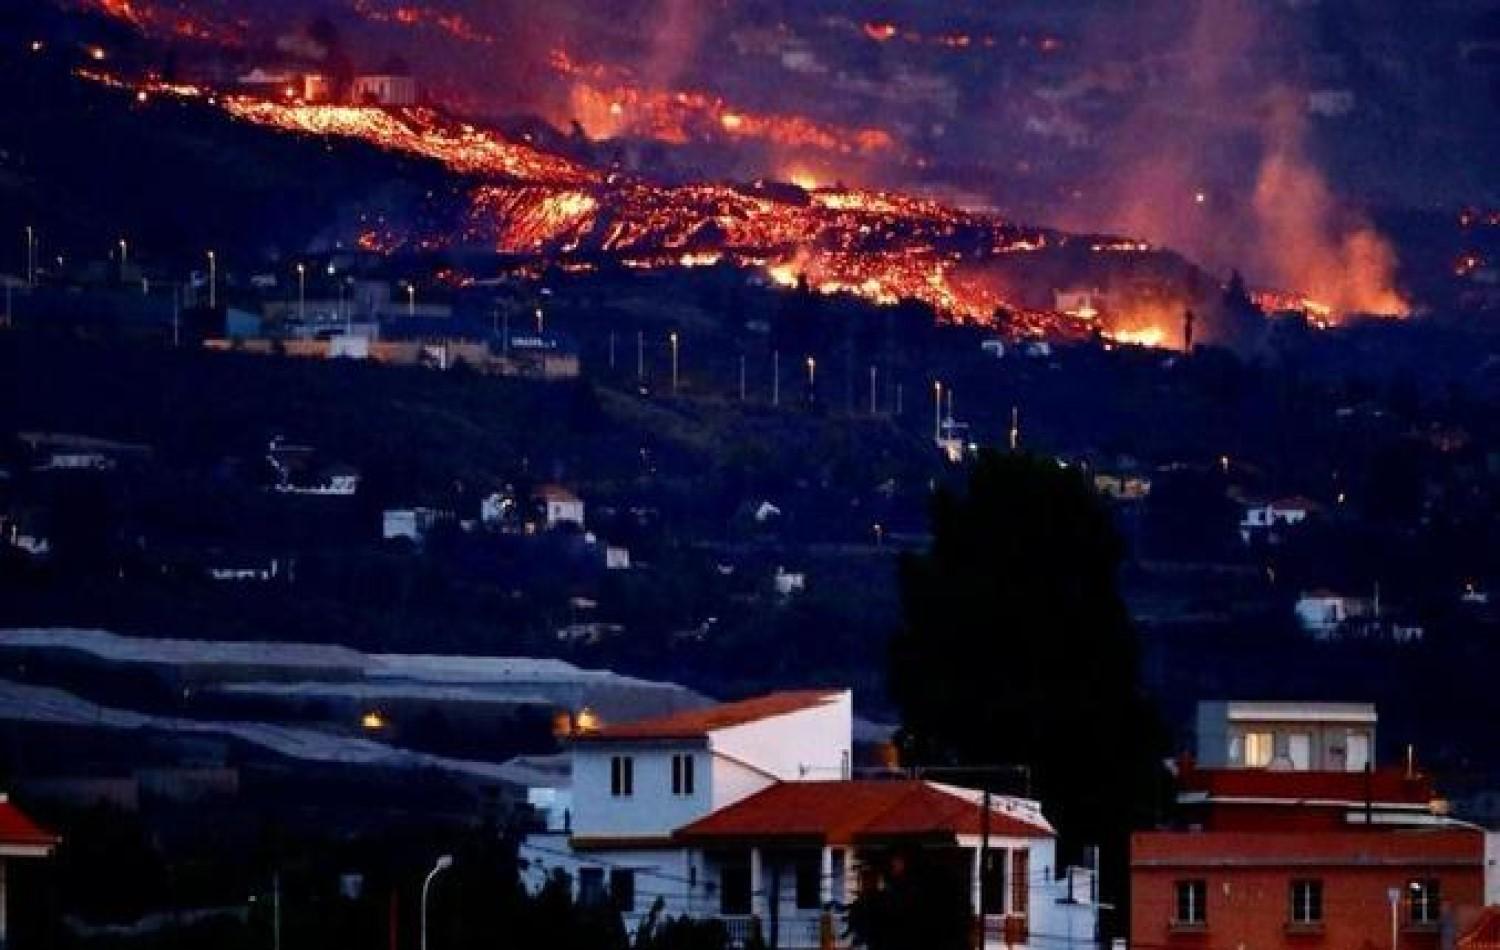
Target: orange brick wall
[1250, 907]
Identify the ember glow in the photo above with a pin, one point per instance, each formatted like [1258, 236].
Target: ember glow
[609, 102]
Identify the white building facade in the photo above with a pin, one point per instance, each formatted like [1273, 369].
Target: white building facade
[747, 812]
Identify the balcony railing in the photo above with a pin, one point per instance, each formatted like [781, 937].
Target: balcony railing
[802, 932]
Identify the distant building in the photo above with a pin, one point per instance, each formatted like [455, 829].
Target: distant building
[788, 583]
[616, 558]
[1290, 837]
[1325, 737]
[413, 524]
[1267, 522]
[387, 90]
[559, 506]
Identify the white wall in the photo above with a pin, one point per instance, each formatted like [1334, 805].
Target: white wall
[810, 744]
[651, 810]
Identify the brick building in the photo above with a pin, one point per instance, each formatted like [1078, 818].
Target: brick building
[1295, 852]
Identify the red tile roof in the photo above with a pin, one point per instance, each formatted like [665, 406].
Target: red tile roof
[698, 723]
[1390, 786]
[1484, 934]
[843, 812]
[19, 831]
[1446, 846]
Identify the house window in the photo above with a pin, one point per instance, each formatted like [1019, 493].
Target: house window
[1299, 751]
[1357, 752]
[1192, 900]
[809, 882]
[1307, 902]
[1425, 897]
[621, 776]
[993, 886]
[1020, 881]
[734, 889]
[590, 886]
[682, 775]
[622, 889]
[1260, 747]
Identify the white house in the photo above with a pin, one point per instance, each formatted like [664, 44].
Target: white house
[1268, 520]
[412, 524]
[747, 812]
[1323, 613]
[559, 505]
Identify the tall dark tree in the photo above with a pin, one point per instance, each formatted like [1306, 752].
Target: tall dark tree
[1017, 649]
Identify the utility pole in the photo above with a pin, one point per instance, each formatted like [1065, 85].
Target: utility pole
[775, 377]
[742, 377]
[611, 350]
[872, 389]
[213, 281]
[275, 910]
[640, 356]
[1015, 428]
[505, 339]
[900, 398]
[30, 256]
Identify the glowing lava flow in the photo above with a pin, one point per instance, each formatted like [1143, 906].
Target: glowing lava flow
[608, 103]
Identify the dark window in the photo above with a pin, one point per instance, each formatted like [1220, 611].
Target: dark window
[621, 775]
[809, 874]
[734, 889]
[682, 775]
[1307, 902]
[622, 889]
[1425, 899]
[1020, 881]
[1192, 898]
[993, 886]
[590, 886]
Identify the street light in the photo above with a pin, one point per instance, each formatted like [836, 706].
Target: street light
[124, 253]
[30, 256]
[812, 373]
[411, 299]
[301, 291]
[673, 337]
[443, 863]
[213, 280]
[937, 409]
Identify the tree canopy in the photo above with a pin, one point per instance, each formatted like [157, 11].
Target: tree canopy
[1017, 649]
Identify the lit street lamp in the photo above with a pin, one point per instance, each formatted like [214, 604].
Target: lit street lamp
[213, 280]
[301, 291]
[937, 410]
[443, 863]
[812, 373]
[673, 338]
[411, 299]
[124, 253]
